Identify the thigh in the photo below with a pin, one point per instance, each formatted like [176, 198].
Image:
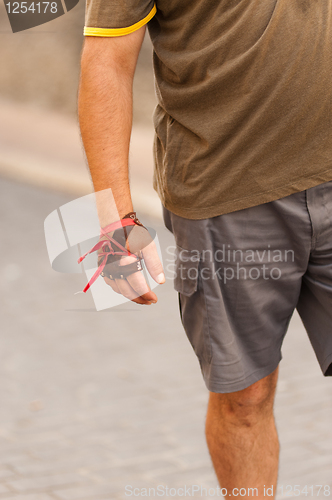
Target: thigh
[315, 301]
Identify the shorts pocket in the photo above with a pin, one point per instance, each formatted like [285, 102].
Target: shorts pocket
[186, 271]
[192, 302]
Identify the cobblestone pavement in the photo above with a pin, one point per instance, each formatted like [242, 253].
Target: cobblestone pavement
[94, 402]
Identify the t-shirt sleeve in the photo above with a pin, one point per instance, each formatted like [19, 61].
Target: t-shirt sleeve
[117, 17]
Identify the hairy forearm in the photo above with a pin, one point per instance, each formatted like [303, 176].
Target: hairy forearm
[105, 116]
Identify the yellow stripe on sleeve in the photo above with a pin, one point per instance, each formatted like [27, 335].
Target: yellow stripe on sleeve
[119, 31]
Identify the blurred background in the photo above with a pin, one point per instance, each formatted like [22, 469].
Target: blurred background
[40, 141]
[93, 402]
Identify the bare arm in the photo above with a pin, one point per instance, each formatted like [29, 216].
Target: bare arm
[105, 115]
[105, 111]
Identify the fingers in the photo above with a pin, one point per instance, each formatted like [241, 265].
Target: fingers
[114, 286]
[134, 287]
[138, 286]
[153, 264]
[127, 291]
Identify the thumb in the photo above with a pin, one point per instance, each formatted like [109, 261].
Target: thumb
[153, 264]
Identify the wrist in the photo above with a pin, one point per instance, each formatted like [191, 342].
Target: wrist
[112, 208]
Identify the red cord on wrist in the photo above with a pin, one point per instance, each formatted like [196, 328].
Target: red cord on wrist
[102, 244]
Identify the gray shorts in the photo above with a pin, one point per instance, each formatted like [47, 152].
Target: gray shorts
[241, 275]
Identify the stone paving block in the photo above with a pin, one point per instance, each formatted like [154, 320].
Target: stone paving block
[33, 483]
[34, 437]
[12, 451]
[305, 473]
[4, 489]
[94, 492]
[64, 463]
[189, 476]
[140, 450]
[194, 459]
[6, 472]
[44, 451]
[33, 496]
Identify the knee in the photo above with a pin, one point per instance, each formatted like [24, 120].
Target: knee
[247, 406]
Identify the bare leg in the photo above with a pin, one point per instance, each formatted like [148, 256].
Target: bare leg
[242, 439]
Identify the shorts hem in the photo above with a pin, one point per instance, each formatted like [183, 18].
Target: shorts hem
[239, 385]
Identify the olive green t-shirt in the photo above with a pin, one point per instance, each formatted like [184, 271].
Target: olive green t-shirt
[245, 97]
